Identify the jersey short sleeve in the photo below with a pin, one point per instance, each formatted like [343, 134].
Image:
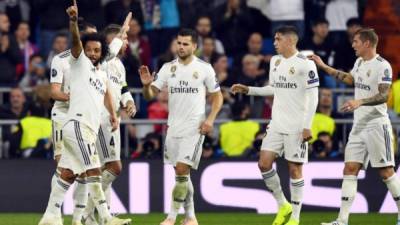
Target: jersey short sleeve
[56, 71]
[385, 73]
[160, 80]
[211, 80]
[353, 71]
[312, 79]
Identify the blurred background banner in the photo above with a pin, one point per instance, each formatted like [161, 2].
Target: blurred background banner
[224, 186]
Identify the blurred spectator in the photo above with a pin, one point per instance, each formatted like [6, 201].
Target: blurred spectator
[323, 121]
[128, 139]
[16, 10]
[117, 10]
[204, 29]
[33, 134]
[60, 44]
[258, 11]
[253, 152]
[168, 55]
[254, 47]
[36, 74]
[233, 24]
[161, 22]
[289, 12]
[93, 12]
[345, 55]
[52, 18]
[208, 50]
[159, 110]
[222, 71]
[321, 45]
[139, 46]
[394, 99]
[251, 75]
[234, 142]
[323, 147]
[9, 53]
[150, 147]
[208, 148]
[338, 12]
[26, 48]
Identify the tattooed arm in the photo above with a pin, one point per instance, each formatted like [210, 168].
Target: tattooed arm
[346, 78]
[377, 99]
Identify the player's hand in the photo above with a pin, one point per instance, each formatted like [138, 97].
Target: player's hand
[145, 75]
[206, 127]
[114, 122]
[306, 135]
[239, 88]
[318, 61]
[72, 11]
[350, 105]
[130, 108]
[125, 25]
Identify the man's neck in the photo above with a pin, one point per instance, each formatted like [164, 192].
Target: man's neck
[325, 110]
[17, 110]
[369, 55]
[317, 40]
[186, 60]
[289, 53]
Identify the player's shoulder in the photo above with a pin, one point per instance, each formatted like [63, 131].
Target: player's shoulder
[202, 62]
[64, 54]
[379, 60]
[301, 56]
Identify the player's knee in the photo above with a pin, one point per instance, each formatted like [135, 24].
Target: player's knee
[264, 165]
[115, 167]
[386, 172]
[182, 169]
[295, 171]
[68, 176]
[351, 169]
[57, 159]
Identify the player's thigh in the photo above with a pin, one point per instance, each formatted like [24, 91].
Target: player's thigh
[295, 149]
[108, 144]
[273, 142]
[379, 142]
[57, 136]
[79, 153]
[356, 149]
[189, 150]
[171, 148]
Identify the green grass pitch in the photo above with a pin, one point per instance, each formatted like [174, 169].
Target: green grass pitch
[219, 219]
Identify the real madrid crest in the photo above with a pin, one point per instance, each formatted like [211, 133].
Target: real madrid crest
[278, 62]
[173, 69]
[292, 71]
[195, 75]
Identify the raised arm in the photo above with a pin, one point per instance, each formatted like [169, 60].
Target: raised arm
[344, 77]
[72, 12]
[149, 91]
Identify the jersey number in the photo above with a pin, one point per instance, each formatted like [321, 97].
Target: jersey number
[112, 143]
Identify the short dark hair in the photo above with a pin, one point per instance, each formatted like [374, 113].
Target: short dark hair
[112, 29]
[368, 34]
[319, 21]
[354, 21]
[287, 29]
[35, 55]
[189, 32]
[83, 25]
[98, 38]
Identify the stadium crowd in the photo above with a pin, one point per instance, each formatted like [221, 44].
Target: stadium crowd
[236, 38]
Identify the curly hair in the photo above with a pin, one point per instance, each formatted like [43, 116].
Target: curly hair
[97, 38]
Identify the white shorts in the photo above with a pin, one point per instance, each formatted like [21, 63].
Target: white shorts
[57, 136]
[290, 145]
[185, 150]
[108, 144]
[79, 152]
[373, 144]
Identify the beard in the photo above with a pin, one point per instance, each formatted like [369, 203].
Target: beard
[183, 56]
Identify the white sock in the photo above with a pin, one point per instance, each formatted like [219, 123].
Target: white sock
[107, 177]
[273, 183]
[189, 202]
[179, 194]
[97, 195]
[57, 197]
[393, 184]
[349, 190]
[80, 198]
[296, 193]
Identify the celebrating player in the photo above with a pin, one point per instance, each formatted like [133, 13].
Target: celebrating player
[370, 139]
[294, 83]
[187, 78]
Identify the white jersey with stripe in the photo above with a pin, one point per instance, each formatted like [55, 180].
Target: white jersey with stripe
[290, 78]
[187, 86]
[88, 86]
[367, 76]
[59, 74]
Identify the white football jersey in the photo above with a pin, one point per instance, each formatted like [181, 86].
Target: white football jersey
[88, 86]
[59, 74]
[291, 77]
[367, 76]
[187, 86]
[116, 75]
